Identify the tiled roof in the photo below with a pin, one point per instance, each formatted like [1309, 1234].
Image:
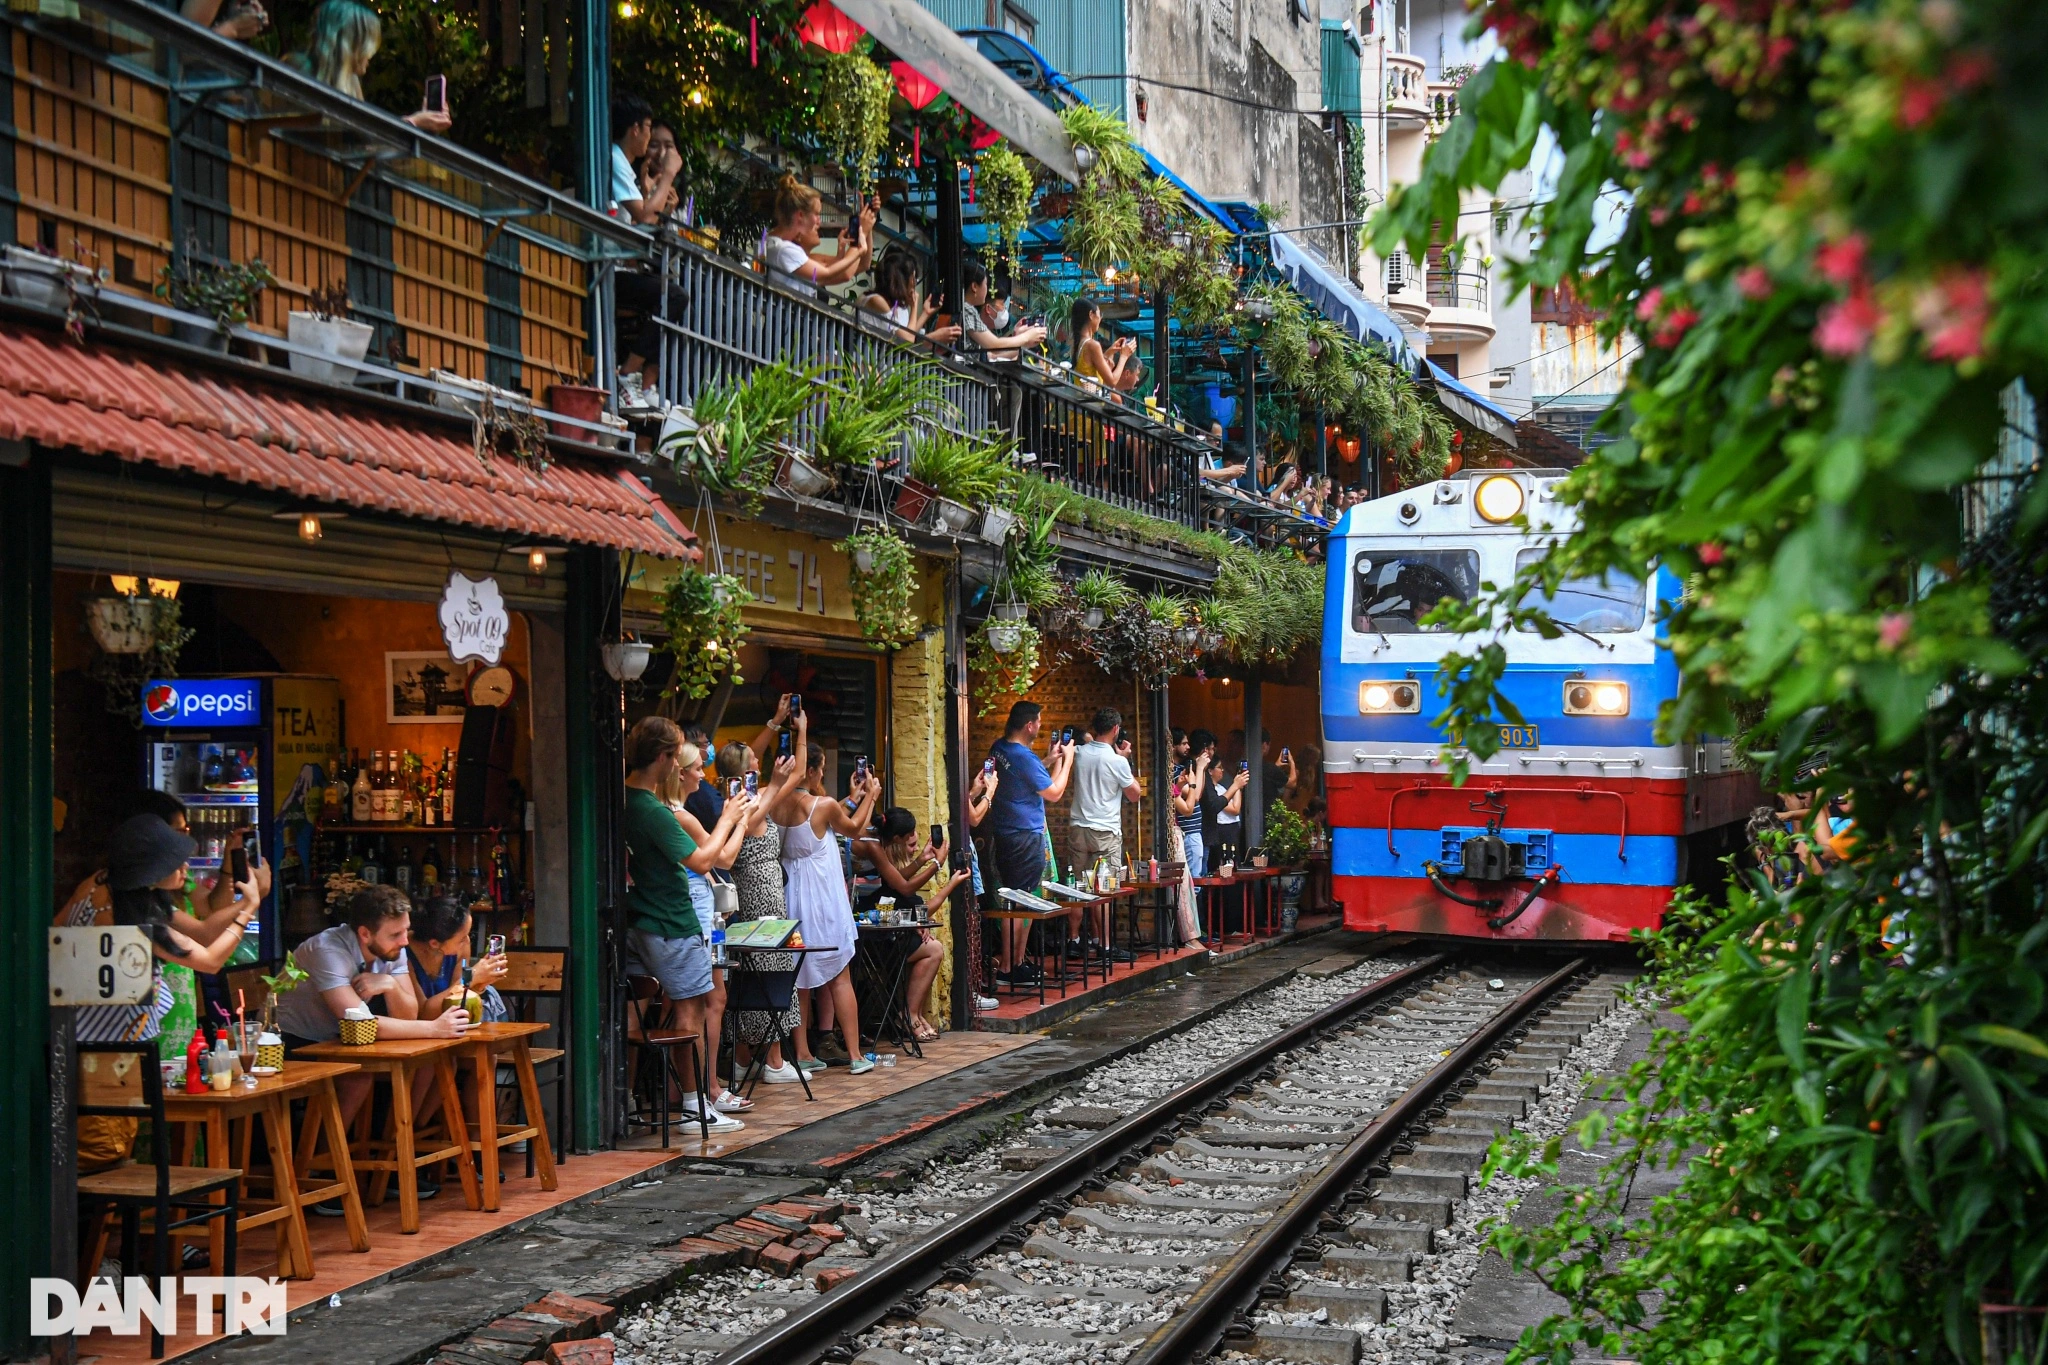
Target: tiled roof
[107, 401]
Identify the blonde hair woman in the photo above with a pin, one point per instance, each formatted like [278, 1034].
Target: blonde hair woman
[345, 37]
[787, 249]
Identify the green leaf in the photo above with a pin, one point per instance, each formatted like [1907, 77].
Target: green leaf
[2023, 847]
[1979, 1090]
[1794, 997]
[1998, 1035]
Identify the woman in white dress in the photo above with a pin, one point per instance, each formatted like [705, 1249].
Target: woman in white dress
[817, 890]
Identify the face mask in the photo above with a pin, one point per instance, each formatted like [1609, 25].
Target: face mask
[1001, 318]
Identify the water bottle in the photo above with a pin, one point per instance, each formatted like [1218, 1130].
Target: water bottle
[717, 939]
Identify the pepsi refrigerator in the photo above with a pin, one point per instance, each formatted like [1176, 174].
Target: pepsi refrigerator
[241, 753]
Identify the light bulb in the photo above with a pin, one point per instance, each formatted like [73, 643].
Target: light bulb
[537, 561]
[309, 527]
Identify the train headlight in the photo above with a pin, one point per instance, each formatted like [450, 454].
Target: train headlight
[1498, 498]
[1593, 697]
[1390, 698]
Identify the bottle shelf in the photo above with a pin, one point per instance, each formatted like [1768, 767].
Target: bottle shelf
[414, 829]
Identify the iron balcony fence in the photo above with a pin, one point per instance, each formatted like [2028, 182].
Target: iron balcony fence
[1102, 447]
[1456, 289]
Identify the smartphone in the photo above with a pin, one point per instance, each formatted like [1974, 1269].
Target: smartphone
[494, 945]
[785, 744]
[1067, 735]
[238, 866]
[1244, 767]
[751, 784]
[988, 769]
[938, 835]
[796, 703]
[958, 858]
[1283, 753]
[734, 787]
[437, 95]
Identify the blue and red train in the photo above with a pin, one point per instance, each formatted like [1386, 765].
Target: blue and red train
[1579, 828]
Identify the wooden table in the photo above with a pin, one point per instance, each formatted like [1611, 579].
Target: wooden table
[485, 1043]
[399, 1060]
[212, 1112]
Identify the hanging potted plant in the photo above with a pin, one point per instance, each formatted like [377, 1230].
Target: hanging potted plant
[966, 471]
[1100, 593]
[1004, 655]
[225, 293]
[853, 115]
[737, 433]
[1005, 186]
[884, 585]
[325, 326]
[702, 626]
[139, 636]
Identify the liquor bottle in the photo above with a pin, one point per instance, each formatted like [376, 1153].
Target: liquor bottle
[334, 795]
[430, 872]
[502, 890]
[430, 797]
[359, 795]
[447, 786]
[380, 790]
[372, 870]
[401, 871]
[408, 790]
[476, 872]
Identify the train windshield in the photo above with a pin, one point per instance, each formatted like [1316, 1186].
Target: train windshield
[1610, 604]
[1392, 591]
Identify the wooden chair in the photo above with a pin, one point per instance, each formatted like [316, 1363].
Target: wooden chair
[651, 1032]
[123, 1080]
[532, 975]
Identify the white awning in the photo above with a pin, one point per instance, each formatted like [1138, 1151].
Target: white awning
[918, 37]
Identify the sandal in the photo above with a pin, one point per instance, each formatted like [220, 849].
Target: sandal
[923, 1031]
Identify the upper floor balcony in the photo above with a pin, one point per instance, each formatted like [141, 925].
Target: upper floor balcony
[1407, 102]
[1443, 104]
[1407, 293]
[166, 160]
[1458, 305]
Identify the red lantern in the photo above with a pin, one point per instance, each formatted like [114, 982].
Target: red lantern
[917, 89]
[825, 26]
[980, 135]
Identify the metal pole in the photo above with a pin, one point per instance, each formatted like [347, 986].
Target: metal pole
[1249, 396]
[965, 913]
[1162, 353]
[1165, 832]
[592, 96]
[34, 1201]
[1255, 785]
[952, 239]
[592, 768]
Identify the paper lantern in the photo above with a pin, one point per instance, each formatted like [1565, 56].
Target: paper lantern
[825, 26]
[917, 89]
[980, 135]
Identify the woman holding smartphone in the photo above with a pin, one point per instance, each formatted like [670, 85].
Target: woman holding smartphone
[757, 874]
[906, 870]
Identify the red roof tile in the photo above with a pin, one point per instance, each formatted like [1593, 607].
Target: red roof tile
[106, 401]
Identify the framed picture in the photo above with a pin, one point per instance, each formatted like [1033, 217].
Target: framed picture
[423, 687]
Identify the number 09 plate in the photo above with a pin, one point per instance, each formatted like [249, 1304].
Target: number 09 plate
[1518, 737]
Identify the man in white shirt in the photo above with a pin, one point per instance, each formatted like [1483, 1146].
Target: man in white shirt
[1102, 783]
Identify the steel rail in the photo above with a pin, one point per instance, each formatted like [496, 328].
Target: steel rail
[1205, 1318]
[809, 1334]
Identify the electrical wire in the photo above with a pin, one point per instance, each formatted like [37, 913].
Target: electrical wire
[1587, 380]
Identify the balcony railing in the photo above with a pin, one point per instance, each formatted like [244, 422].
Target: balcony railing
[1456, 289]
[734, 320]
[140, 139]
[1407, 83]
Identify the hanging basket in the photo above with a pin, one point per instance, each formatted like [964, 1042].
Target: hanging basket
[122, 625]
[795, 473]
[626, 660]
[1004, 636]
[1093, 618]
[953, 518]
[1008, 611]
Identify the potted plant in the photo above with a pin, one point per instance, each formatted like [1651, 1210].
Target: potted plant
[967, 470]
[1100, 593]
[1005, 187]
[1005, 656]
[884, 585]
[702, 629]
[325, 326]
[43, 279]
[732, 444]
[853, 114]
[139, 637]
[288, 979]
[1287, 846]
[225, 293]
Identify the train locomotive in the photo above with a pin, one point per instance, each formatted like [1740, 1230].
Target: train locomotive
[1577, 830]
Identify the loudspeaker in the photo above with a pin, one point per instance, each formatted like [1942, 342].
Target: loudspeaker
[473, 783]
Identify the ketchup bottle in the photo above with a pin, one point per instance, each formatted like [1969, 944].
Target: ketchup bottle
[195, 1068]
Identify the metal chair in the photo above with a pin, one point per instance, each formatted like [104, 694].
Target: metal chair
[123, 1080]
[644, 1002]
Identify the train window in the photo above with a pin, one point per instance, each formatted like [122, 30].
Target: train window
[1610, 604]
[1392, 591]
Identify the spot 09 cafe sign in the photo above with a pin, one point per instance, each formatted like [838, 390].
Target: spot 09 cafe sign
[474, 622]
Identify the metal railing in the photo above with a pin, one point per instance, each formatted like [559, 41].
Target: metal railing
[732, 321]
[1456, 289]
[1098, 447]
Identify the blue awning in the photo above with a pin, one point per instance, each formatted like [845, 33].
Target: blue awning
[1469, 407]
[1335, 297]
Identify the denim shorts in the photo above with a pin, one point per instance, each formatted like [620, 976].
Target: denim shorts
[681, 965]
[1020, 859]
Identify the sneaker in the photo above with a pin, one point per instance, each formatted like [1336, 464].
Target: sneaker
[811, 1064]
[831, 1050]
[863, 1066]
[719, 1123]
[729, 1103]
[780, 1075]
[985, 1003]
[1075, 948]
[427, 1187]
[1027, 974]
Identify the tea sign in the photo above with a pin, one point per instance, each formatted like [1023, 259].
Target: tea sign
[474, 622]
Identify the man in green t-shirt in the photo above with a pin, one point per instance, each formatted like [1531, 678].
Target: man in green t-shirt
[665, 940]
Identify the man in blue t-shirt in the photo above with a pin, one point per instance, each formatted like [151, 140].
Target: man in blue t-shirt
[1016, 820]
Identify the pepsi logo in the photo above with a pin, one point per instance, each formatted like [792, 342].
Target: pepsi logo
[160, 702]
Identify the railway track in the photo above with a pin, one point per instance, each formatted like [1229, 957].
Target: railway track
[1302, 1174]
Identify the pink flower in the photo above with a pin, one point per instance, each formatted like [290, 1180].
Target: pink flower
[1754, 281]
[1846, 326]
[1893, 629]
[1711, 553]
[1920, 100]
[1675, 326]
[1841, 263]
[1648, 304]
[1953, 314]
